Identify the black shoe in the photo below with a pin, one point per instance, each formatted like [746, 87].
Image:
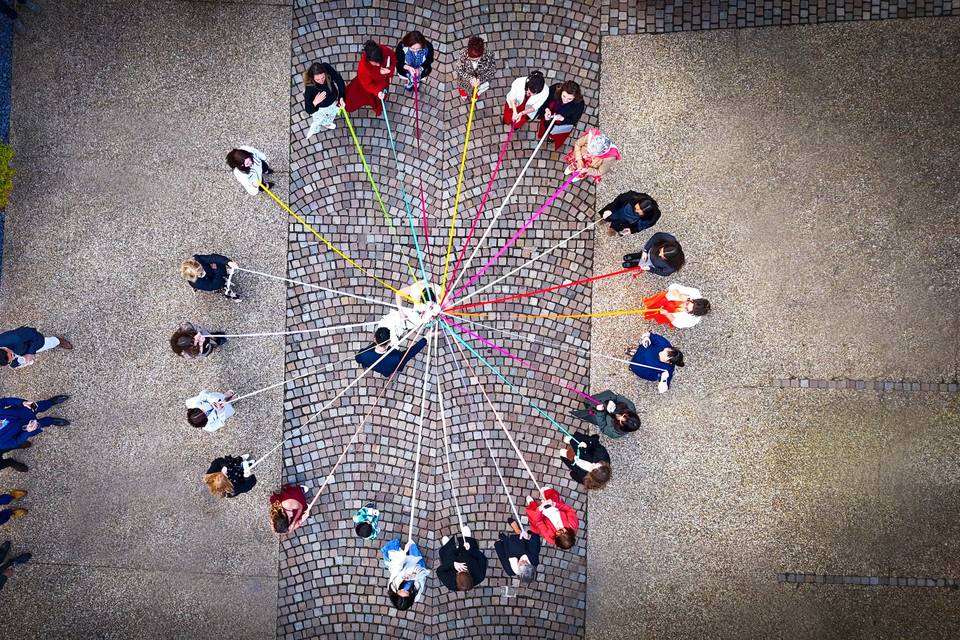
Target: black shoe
[16, 465]
[4, 550]
[55, 400]
[25, 445]
[630, 264]
[23, 558]
[59, 422]
[633, 257]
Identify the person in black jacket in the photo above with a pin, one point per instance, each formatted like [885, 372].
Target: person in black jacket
[7, 565]
[564, 107]
[462, 563]
[590, 465]
[323, 96]
[414, 58]
[226, 479]
[210, 272]
[519, 552]
[19, 346]
[662, 255]
[630, 212]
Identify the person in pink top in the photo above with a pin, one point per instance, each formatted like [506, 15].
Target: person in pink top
[553, 519]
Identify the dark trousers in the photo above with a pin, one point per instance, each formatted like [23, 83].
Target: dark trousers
[8, 10]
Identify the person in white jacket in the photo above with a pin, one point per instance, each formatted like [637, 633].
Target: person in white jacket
[406, 573]
[679, 306]
[527, 94]
[250, 168]
[209, 410]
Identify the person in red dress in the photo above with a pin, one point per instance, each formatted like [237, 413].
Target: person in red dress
[679, 307]
[378, 63]
[288, 508]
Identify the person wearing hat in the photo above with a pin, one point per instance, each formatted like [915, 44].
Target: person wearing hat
[630, 212]
[593, 155]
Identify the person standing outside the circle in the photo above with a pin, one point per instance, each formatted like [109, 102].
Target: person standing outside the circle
[377, 65]
[527, 94]
[414, 58]
[19, 346]
[323, 96]
[210, 272]
[250, 168]
[474, 68]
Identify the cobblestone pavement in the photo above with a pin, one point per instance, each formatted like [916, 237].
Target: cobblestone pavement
[330, 581]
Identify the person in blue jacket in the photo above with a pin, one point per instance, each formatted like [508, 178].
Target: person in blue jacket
[396, 358]
[662, 255]
[211, 272]
[20, 419]
[18, 346]
[654, 359]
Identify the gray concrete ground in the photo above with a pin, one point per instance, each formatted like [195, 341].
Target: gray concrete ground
[810, 175]
[122, 114]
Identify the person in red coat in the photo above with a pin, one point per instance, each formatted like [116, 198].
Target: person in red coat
[553, 519]
[377, 65]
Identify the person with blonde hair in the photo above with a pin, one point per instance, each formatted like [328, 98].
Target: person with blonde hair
[226, 479]
[210, 272]
[288, 509]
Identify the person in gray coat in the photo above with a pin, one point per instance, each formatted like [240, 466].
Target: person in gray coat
[614, 415]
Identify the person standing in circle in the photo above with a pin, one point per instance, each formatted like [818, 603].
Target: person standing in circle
[630, 212]
[323, 96]
[474, 68]
[192, 341]
[565, 106]
[553, 519]
[519, 552]
[654, 359]
[526, 96]
[288, 508]
[593, 155]
[662, 255]
[462, 564]
[377, 65]
[250, 168]
[406, 573]
[589, 464]
[18, 347]
[414, 58]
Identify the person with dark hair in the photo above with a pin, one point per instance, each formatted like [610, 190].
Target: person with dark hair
[593, 155]
[414, 58]
[9, 9]
[366, 522]
[662, 255]
[589, 464]
[210, 272]
[654, 359]
[20, 419]
[288, 506]
[630, 212]
[11, 512]
[209, 410]
[397, 358]
[462, 564]
[377, 65]
[18, 346]
[553, 519]
[193, 342]
[519, 552]
[615, 415]
[250, 168]
[564, 107]
[406, 573]
[6, 566]
[226, 477]
[527, 94]
[323, 96]
[474, 68]
[679, 307]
